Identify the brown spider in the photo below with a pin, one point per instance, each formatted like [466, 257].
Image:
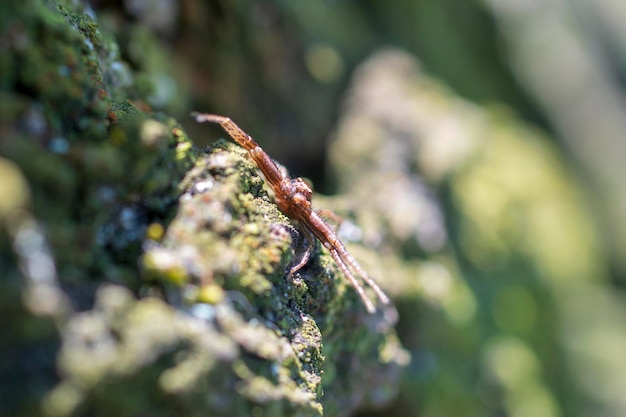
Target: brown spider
[293, 198]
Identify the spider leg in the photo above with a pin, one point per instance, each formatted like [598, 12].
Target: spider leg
[307, 254]
[349, 259]
[272, 173]
[358, 287]
[343, 259]
[330, 215]
[234, 131]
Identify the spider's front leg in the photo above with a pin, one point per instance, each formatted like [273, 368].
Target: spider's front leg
[273, 175]
[304, 258]
[293, 198]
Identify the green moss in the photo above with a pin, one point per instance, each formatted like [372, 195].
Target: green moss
[111, 193]
[83, 23]
[241, 242]
[124, 110]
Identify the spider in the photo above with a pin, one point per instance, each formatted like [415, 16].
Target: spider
[293, 198]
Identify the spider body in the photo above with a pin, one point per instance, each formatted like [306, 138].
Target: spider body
[293, 198]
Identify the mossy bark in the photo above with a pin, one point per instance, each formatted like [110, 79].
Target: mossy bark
[141, 275]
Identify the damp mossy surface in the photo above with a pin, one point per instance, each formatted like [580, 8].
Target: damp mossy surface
[225, 258]
[144, 276]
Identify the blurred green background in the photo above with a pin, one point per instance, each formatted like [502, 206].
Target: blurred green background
[499, 127]
[516, 115]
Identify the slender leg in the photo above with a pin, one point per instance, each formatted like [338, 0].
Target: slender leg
[359, 289]
[272, 173]
[368, 280]
[330, 215]
[307, 254]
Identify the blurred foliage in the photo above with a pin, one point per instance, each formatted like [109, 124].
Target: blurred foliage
[499, 249]
[484, 163]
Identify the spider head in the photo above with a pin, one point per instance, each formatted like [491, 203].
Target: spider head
[294, 196]
[301, 190]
